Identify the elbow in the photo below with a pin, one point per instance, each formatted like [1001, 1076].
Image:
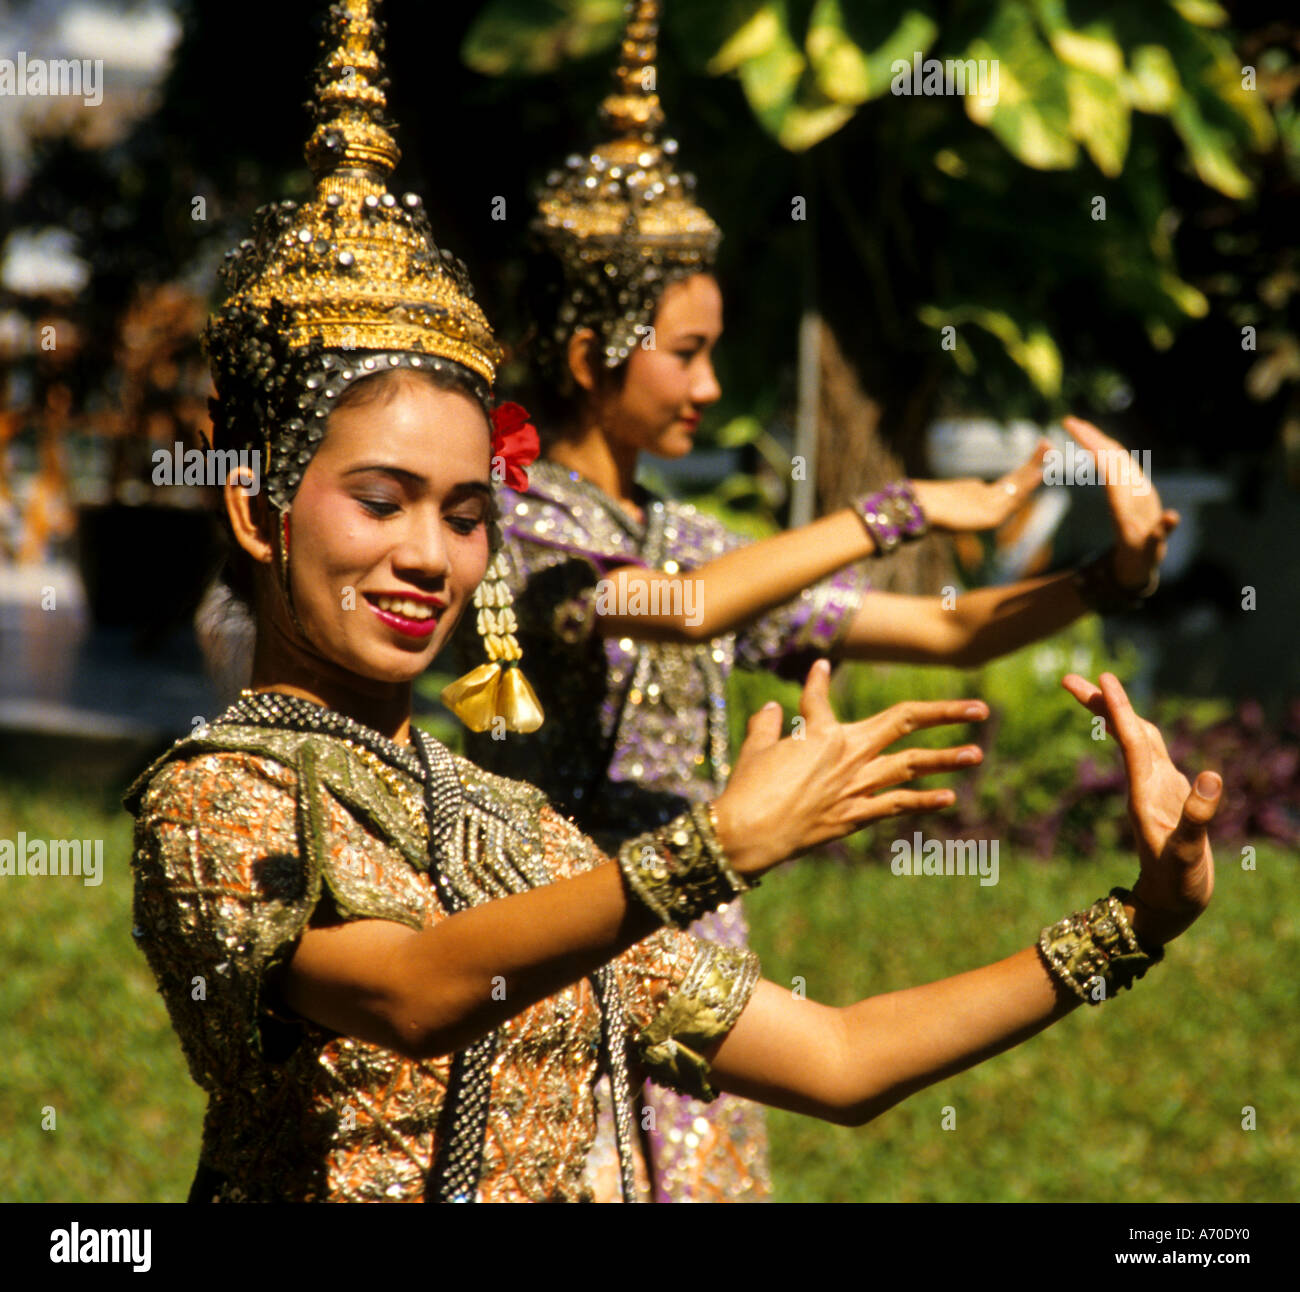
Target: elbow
[695, 630]
[422, 1029]
[966, 646]
[970, 654]
[854, 1112]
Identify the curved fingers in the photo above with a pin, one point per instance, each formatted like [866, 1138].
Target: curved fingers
[879, 807]
[908, 764]
[883, 729]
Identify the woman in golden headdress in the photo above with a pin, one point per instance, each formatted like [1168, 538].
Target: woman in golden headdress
[399, 977]
[635, 609]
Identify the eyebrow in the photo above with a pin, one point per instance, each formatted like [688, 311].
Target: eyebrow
[402, 476]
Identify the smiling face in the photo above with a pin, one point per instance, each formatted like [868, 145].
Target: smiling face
[657, 408]
[389, 528]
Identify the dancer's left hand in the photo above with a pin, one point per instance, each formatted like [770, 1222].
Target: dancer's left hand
[963, 506]
[1141, 524]
[1169, 816]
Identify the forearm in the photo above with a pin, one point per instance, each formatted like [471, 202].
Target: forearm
[491, 962]
[735, 588]
[997, 621]
[897, 1044]
[849, 1065]
[974, 628]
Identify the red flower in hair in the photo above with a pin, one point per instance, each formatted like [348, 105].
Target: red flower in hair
[514, 445]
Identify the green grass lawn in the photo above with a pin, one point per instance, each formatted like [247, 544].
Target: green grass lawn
[1140, 1100]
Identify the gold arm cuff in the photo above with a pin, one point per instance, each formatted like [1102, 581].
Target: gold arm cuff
[680, 871]
[1095, 953]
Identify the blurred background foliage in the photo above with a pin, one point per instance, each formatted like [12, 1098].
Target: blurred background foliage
[920, 212]
[1109, 221]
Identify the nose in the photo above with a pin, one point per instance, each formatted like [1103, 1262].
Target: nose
[422, 555]
[705, 388]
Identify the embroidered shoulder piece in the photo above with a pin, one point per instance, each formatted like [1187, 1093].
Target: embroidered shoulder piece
[712, 996]
[378, 795]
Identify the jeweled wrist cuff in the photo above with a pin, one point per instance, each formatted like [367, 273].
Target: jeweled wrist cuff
[679, 871]
[1099, 590]
[892, 516]
[1095, 953]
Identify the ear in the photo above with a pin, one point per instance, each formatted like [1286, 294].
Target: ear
[248, 516]
[583, 357]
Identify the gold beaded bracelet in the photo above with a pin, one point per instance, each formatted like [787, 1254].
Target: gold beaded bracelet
[1095, 953]
[679, 871]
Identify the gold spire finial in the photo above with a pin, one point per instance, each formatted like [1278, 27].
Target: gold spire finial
[622, 222]
[633, 109]
[352, 132]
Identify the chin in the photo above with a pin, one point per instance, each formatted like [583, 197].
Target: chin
[676, 444]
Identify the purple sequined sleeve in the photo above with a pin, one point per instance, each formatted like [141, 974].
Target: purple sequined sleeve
[788, 639]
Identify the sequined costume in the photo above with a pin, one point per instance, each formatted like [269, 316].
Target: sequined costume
[635, 731]
[246, 835]
[283, 812]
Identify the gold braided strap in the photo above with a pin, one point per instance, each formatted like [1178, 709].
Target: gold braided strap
[1095, 953]
[679, 871]
[715, 991]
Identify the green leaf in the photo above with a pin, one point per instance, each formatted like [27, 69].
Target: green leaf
[1152, 84]
[1030, 347]
[852, 54]
[739, 431]
[838, 65]
[1099, 119]
[1210, 149]
[770, 80]
[529, 37]
[1029, 111]
[1200, 13]
[803, 125]
[759, 28]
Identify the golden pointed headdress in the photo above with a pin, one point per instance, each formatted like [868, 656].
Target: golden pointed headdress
[622, 222]
[354, 271]
[337, 289]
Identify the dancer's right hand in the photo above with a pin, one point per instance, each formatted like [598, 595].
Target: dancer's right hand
[786, 796]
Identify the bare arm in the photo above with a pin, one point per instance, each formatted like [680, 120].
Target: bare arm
[739, 586]
[981, 625]
[432, 991]
[849, 1065]
[971, 629]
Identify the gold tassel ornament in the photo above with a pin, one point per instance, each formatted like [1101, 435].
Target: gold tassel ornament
[497, 689]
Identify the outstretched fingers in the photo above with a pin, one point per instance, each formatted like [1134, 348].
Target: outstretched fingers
[908, 764]
[1022, 482]
[878, 807]
[815, 701]
[881, 730]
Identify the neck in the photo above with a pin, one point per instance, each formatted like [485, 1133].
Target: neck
[588, 450]
[281, 664]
